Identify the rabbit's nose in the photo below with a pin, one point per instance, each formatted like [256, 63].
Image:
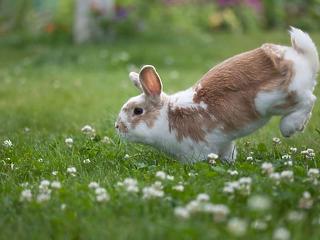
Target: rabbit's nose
[116, 125]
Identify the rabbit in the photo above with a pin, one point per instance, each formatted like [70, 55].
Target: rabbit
[232, 100]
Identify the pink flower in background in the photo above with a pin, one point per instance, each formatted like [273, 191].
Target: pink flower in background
[255, 4]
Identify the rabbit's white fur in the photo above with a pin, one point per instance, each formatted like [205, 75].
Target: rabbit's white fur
[154, 126]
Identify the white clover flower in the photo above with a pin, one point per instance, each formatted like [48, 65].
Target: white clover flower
[213, 156]
[233, 172]
[130, 185]
[206, 207]
[245, 180]
[157, 184]
[231, 187]
[237, 226]
[202, 205]
[44, 184]
[43, 197]
[212, 161]
[100, 190]
[306, 202]
[132, 188]
[101, 195]
[295, 216]
[72, 171]
[106, 140]
[310, 150]
[242, 186]
[181, 212]
[86, 161]
[203, 197]
[287, 175]
[40, 160]
[245, 185]
[150, 192]
[275, 177]
[313, 173]
[309, 153]
[56, 184]
[259, 203]
[267, 167]
[286, 157]
[104, 197]
[54, 173]
[7, 143]
[69, 142]
[130, 181]
[26, 195]
[161, 174]
[63, 206]
[153, 191]
[250, 158]
[276, 140]
[193, 206]
[259, 225]
[220, 212]
[293, 149]
[127, 156]
[88, 130]
[93, 185]
[281, 233]
[179, 188]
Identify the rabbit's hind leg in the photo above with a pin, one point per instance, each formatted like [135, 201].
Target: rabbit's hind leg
[296, 120]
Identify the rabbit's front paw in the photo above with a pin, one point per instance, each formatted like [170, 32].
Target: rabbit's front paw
[229, 153]
[294, 122]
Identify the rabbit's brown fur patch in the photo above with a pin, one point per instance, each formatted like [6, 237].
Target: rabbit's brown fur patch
[193, 122]
[230, 88]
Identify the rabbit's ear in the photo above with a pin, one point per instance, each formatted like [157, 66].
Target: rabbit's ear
[150, 81]
[134, 77]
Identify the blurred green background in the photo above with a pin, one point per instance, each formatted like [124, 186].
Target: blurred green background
[100, 20]
[65, 64]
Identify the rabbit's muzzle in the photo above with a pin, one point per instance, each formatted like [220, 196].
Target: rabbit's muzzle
[121, 127]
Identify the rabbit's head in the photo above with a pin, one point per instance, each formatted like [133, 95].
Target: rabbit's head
[141, 117]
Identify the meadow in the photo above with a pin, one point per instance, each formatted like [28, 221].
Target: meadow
[52, 187]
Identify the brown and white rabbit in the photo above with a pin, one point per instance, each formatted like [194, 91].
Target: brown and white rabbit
[232, 100]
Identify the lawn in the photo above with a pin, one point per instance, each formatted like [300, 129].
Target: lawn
[49, 92]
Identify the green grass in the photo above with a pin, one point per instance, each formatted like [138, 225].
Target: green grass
[56, 90]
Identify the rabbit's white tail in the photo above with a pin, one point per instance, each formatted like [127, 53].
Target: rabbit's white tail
[304, 45]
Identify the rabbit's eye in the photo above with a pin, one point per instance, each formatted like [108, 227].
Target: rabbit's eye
[138, 111]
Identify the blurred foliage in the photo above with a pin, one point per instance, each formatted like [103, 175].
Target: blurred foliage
[54, 18]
